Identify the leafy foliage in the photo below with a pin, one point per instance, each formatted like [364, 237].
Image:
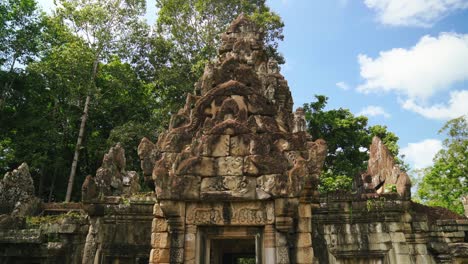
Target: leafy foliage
[20, 26]
[194, 26]
[348, 138]
[444, 183]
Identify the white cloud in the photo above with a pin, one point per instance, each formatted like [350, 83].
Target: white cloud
[431, 66]
[420, 13]
[373, 110]
[420, 154]
[342, 85]
[457, 106]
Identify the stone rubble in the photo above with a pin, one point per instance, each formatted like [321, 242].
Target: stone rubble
[111, 178]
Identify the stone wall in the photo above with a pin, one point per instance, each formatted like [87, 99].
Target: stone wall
[116, 230]
[348, 229]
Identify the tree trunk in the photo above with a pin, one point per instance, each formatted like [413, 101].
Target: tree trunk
[84, 118]
[71, 178]
[52, 186]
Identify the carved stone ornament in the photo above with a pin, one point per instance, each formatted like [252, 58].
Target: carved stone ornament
[238, 131]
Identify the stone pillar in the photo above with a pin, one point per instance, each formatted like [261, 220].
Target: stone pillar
[168, 234]
[269, 243]
[282, 249]
[190, 244]
[285, 208]
[91, 253]
[160, 240]
[303, 244]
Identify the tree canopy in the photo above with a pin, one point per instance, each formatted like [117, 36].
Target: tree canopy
[348, 138]
[445, 182]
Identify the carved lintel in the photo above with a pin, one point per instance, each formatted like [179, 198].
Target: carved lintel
[244, 213]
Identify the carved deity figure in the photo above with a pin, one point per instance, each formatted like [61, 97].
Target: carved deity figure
[299, 120]
[273, 66]
[270, 93]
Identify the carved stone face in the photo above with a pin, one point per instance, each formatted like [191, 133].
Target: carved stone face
[273, 66]
[270, 93]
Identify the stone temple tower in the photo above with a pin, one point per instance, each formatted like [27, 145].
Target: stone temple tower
[236, 171]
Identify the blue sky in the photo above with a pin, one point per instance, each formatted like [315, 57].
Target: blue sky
[395, 61]
[404, 64]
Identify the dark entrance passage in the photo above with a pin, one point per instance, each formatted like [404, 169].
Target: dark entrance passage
[230, 245]
[232, 251]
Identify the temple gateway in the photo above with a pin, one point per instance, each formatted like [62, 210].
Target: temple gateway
[235, 178]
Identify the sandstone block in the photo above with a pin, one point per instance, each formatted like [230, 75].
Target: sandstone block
[240, 145]
[228, 187]
[159, 225]
[160, 240]
[303, 240]
[304, 255]
[216, 145]
[230, 166]
[160, 255]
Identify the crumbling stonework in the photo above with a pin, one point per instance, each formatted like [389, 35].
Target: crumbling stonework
[383, 174]
[17, 198]
[111, 178]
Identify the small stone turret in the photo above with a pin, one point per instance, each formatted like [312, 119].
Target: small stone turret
[17, 198]
[111, 178]
[383, 174]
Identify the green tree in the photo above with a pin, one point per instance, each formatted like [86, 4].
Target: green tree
[195, 26]
[103, 26]
[348, 138]
[188, 36]
[445, 182]
[20, 25]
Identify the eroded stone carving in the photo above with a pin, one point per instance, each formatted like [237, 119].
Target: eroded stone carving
[299, 120]
[383, 174]
[111, 178]
[17, 198]
[251, 213]
[236, 132]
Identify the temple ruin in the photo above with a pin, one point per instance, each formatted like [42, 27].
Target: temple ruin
[236, 182]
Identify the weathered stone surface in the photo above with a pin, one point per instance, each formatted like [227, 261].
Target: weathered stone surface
[17, 198]
[178, 187]
[228, 187]
[238, 124]
[216, 145]
[16, 188]
[148, 156]
[230, 166]
[383, 174]
[275, 185]
[111, 178]
[300, 124]
[245, 213]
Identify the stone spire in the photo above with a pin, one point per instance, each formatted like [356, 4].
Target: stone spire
[237, 137]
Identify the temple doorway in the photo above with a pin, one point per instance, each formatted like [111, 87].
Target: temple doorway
[230, 246]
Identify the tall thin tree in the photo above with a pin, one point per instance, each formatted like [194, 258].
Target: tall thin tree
[104, 26]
